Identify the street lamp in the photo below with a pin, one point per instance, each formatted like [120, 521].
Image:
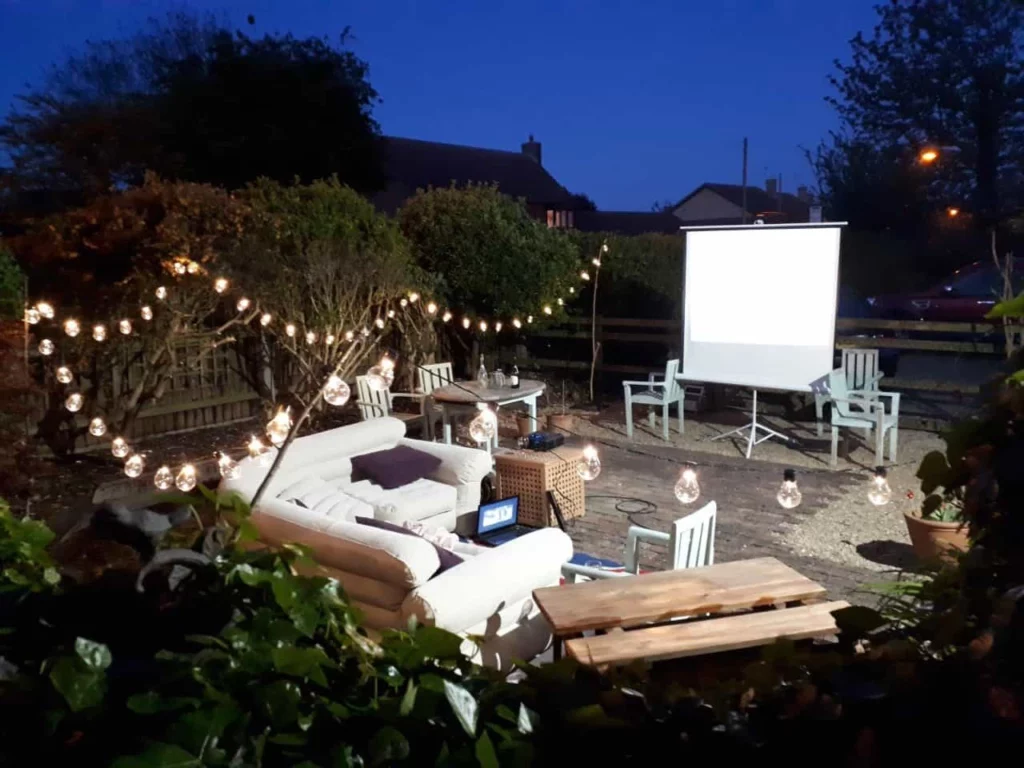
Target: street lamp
[952, 212]
[928, 156]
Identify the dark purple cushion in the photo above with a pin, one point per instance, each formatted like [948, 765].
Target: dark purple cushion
[448, 558]
[394, 467]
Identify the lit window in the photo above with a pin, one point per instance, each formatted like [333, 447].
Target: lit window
[551, 219]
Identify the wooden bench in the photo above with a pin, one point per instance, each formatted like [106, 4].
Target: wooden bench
[706, 636]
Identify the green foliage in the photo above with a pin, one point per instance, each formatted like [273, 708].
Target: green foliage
[12, 285]
[26, 565]
[486, 252]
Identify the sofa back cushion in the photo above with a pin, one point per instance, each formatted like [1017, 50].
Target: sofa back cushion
[394, 467]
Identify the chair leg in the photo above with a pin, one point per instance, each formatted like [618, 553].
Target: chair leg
[880, 447]
[682, 426]
[835, 446]
[893, 439]
[819, 412]
[629, 414]
[652, 420]
[665, 420]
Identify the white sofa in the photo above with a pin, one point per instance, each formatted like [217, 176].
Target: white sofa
[389, 576]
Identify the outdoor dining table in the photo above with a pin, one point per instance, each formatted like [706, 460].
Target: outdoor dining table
[463, 398]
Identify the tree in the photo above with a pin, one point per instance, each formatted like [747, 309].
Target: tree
[945, 74]
[187, 98]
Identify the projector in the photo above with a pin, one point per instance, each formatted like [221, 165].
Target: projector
[544, 441]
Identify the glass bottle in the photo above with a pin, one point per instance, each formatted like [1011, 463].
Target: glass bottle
[481, 373]
[514, 377]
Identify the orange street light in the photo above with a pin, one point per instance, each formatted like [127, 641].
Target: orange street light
[928, 156]
[952, 212]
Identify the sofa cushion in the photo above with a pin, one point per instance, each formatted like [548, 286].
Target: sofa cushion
[394, 467]
[447, 558]
[417, 501]
[314, 493]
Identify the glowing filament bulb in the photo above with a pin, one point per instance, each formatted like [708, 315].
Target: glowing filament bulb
[45, 309]
[879, 491]
[279, 426]
[336, 391]
[146, 312]
[329, 339]
[379, 322]
[289, 329]
[364, 332]
[596, 262]
[589, 465]
[220, 285]
[180, 268]
[193, 267]
[560, 302]
[64, 375]
[529, 319]
[484, 425]
[687, 489]
[163, 479]
[99, 332]
[134, 465]
[310, 337]
[604, 247]
[403, 303]
[242, 304]
[186, 479]
[160, 293]
[119, 447]
[571, 289]
[446, 316]
[32, 315]
[74, 402]
[431, 308]
[414, 297]
[265, 319]
[46, 347]
[466, 322]
[516, 323]
[789, 495]
[349, 335]
[125, 327]
[483, 326]
[547, 309]
[584, 275]
[97, 427]
[228, 467]
[391, 313]
[497, 327]
[72, 328]
[382, 375]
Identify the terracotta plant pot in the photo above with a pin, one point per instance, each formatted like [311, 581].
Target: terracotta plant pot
[934, 540]
[560, 422]
[525, 425]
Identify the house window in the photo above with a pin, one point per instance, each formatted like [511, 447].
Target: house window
[551, 219]
[560, 219]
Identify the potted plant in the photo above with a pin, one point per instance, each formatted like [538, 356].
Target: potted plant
[938, 530]
[561, 422]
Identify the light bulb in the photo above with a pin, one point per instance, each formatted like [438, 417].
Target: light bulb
[584, 275]
[329, 339]
[265, 319]
[382, 375]
[119, 447]
[413, 297]
[290, 329]
[228, 466]
[146, 312]
[349, 335]
[125, 326]
[497, 327]
[529, 319]
[596, 263]
[547, 309]
[32, 315]
[687, 488]
[186, 479]
[64, 375]
[220, 284]
[446, 316]
[160, 293]
[99, 332]
[164, 478]
[74, 402]
[193, 267]
[516, 323]
[431, 308]
[466, 322]
[379, 322]
[72, 328]
[45, 309]
[560, 302]
[97, 427]
[336, 391]
[589, 465]
[403, 303]
[258, 451]
[46, 347]
[604, 247]
[391, 313]
[310, 337]
[279, 426]
[484, 425]
[571, 289]
[789, 495]
[483, 326]
[879, 491]
[365, 332]
[180, 268]
[134, 465]
[242, 304]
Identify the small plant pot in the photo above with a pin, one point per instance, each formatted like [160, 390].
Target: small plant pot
[525, 425]
[560, 422]
[934, 540]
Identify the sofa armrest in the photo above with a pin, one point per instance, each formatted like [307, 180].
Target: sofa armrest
[479, 587]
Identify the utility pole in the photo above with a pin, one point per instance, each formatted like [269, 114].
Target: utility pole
[744, 221]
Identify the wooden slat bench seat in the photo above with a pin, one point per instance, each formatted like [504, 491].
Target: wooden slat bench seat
[715, 635]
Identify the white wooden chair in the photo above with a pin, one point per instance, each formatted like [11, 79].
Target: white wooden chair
[860, 367]
[863, 410]
[658, 394]
[374, 404]
[691, 545]
[429, 377]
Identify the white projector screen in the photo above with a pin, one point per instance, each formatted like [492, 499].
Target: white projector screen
[760, 305]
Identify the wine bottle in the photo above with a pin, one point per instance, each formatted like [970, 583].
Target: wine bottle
[481, 373]
[515, 374]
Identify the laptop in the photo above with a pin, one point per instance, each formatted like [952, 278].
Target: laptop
[498, 522]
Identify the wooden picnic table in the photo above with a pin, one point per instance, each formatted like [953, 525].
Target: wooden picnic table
[636, 603]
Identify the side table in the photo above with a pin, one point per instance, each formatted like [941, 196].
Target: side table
[531, 474]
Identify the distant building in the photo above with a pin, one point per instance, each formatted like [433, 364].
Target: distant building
[627, 222]
[723, 204]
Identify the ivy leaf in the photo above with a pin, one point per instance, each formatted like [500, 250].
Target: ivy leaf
[247, 531]
[438, 643]
[463, 704]
[80, 686]
[295, 601]
[159, 755]
[281, 702]
[95, 655]
[301, 662]
[485, 753]
[408, 699]
[151, 702]
[51, 576]
[195, 730]
[387, 745]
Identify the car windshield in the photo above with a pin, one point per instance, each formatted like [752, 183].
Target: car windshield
[985, 282]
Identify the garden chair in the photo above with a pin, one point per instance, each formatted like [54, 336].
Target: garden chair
[691, 545]
[863, 410]
[374, 404]
[658, 394]
[860, 367]
[430, 376]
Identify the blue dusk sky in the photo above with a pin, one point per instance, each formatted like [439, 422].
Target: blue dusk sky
[634, 102]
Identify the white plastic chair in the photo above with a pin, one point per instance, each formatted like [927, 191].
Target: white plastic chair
[658, 394]
[691, 544]
[860, 367]
[863, 410]
[429, 377]
[375, 404]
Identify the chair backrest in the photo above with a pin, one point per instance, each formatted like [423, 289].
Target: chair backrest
[838, 387]
[434, 375]
[372, 403]
[693, 538]
[861, 368]
[672, 388]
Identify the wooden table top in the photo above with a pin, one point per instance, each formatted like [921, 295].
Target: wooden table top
[659, 596]
[451, 393]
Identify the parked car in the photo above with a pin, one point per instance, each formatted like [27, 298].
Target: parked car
[965, 296]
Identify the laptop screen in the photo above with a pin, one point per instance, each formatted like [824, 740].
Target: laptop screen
[497, 515]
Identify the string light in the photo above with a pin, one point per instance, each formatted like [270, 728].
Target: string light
[431, 308]
[242, 304]
[789, 495]
[391, 314]
[687, 488]
[290, 329]
[279, 426]
[46, 347]
[560, 302]
[589, 465]
[483, 326]
[604, 247]
[97, 427]
[146, 312]
[497, 327]
[547, 309]
[381, 375]
[446, 316]
[119, 447]
[336, 391]
[32, 316]
[516, 323]
[265, 319]
[125, 326]
[365, 333]
[134, 466]
[228, 467]
[99, 332]
[529, 319]
[414, 297]
[596, 262]
[571, 289]
[72, 328]
[164, 478]
[179, 267]
[349, 335]
[879, 491]
[45, 309]
[74, 402]
[258, 451]
[193, 267]
[310, 337]
[484, 425]
[186, 479]
[329, 339]
[64, 375]
[584, 275]
[403, 303]
[466, 322]
[379, 322]
[160, 293]
[220, 284]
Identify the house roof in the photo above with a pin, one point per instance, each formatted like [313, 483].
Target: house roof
[411, 164]
[626, 222]
[758, 200]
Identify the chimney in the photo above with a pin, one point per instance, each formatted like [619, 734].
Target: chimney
[532, 150]
[771, 186]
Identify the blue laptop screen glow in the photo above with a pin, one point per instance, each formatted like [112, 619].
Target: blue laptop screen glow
[497, 515]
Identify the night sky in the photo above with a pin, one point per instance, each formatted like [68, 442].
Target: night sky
[634, 102]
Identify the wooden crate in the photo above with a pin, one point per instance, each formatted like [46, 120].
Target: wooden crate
[531, 474]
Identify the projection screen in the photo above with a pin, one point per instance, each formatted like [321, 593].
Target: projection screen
[760, 305]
